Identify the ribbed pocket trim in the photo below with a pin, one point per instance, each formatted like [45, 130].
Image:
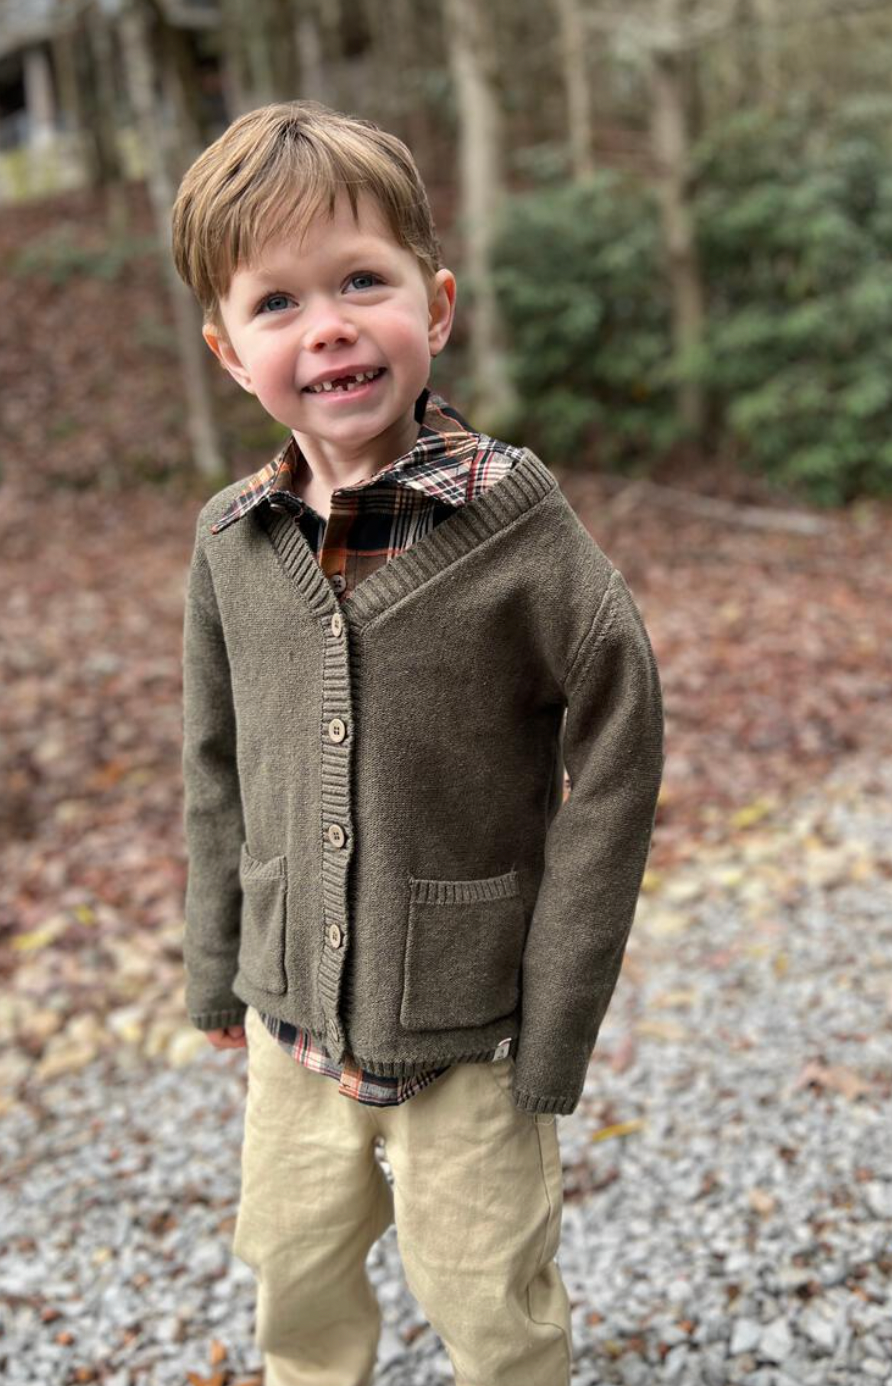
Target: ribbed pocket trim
[425, 891]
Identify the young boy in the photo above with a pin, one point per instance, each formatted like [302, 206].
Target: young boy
[395, 634]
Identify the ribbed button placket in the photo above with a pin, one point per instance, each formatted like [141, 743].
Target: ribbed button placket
[336, 742]
[528, 483]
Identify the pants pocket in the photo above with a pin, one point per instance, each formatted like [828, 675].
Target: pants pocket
[261, 957]
[464, 944]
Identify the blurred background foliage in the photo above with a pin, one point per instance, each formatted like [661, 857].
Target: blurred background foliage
[671, 221]
[793, 219]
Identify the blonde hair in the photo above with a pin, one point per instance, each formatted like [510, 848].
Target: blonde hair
[275, 169]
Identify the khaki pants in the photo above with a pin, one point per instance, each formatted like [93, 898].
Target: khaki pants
[477, 1203]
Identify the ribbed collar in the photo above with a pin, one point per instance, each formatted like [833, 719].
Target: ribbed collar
[527, 483]
[445, 462]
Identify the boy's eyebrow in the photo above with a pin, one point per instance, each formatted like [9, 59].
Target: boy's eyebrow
[355, 251]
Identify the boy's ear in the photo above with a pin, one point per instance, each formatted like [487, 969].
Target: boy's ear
[226, 355]
[441, 310]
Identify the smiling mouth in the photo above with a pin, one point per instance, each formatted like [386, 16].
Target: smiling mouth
[344, 384]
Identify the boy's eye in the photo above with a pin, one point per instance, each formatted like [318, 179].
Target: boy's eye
[364, 274]
[273, 303]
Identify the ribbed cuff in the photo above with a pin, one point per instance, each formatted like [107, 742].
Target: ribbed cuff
[529, 1102]
[218, 1020]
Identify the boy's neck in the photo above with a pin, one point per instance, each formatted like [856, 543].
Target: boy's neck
[329, 467]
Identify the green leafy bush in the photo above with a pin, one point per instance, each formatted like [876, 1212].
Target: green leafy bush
[794, 219]
[59, 255]
[577, 274]
[795, 229]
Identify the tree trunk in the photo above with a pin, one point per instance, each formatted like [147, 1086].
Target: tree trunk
[670, 142]
[282, 22]
[140, 69]
[180, 82]
[769, 44]
[407, 47]
[331, 33]
[234, 62]
[315, 83]
[744, 42]
[250, 21]
[40, 97]
[473, 60]
[577, 86]
[65, 46]
[102, 106]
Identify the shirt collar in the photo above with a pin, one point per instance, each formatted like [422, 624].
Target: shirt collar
[437, 463]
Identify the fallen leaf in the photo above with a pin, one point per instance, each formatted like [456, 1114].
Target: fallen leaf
[752, 813]
[662, 1029]
[667, 999]
[40, 938]
[619, 1128]
[761, 1201]
[835, 1077]
[664, 923]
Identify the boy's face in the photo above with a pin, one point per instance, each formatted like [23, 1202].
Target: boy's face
[345, 298]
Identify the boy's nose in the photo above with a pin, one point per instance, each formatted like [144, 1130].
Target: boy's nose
[328, 327]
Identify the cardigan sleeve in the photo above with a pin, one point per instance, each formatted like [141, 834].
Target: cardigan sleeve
[595, 852]
[213, 817]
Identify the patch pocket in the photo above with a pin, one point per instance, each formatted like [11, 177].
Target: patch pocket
[464, 945]
[261, 956]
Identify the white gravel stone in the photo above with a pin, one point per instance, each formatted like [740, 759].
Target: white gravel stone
[821, 1329]
[877, 1196]
[745, 1336]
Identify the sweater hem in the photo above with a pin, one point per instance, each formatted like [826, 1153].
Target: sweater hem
[410, 1068]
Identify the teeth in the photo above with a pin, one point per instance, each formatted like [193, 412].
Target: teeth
[359, 379]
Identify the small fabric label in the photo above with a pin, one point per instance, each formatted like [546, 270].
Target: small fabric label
[502, 1050]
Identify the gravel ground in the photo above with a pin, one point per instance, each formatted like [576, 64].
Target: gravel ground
[728, 1173]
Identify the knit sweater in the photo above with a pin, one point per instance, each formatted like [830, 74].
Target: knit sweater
[371, 523]
[378, 847]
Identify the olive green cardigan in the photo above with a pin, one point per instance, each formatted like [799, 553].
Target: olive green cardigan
[378, 846]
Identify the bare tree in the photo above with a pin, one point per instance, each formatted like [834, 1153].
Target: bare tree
[315, 82]
[767, 16]
[103, 102]
[664, 33]
[141, 81]
[671, 146]
[473, 58]
[573, 47]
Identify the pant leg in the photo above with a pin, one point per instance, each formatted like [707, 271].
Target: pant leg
[478, 1199]
[313, 1202]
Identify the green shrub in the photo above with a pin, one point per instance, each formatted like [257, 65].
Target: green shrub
[794, 224]
[795, 229]
[576, 272]
[58, 256]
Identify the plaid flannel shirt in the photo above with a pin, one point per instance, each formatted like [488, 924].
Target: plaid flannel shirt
[371, 523]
